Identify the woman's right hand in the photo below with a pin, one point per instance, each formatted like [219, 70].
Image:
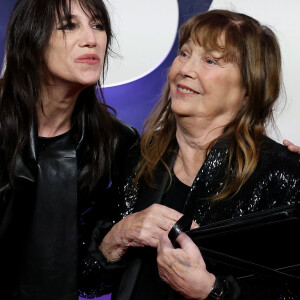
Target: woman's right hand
[139, 230]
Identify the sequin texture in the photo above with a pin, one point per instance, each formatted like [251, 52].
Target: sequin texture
[275, 182]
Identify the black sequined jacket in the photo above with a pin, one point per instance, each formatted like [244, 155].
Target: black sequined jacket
[44, 191]
[274, 183]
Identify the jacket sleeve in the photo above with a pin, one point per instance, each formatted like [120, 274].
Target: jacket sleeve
[96, 275]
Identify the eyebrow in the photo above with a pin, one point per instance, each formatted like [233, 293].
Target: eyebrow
[216, 54]
[69, 17]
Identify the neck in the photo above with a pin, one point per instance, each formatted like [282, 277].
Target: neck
[199, 132]
[55, 111]
[193, 137]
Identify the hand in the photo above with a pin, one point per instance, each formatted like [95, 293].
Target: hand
[184, 269]
[291, 146]
[139, 230]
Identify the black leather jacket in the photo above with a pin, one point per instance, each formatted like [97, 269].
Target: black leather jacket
[42, 192]
[275, 182]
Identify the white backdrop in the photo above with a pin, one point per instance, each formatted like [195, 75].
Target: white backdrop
[145, 46]
[283, 18]
[145, 32]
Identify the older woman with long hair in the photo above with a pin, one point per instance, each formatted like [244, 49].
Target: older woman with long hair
[205, 154]
[61, 150]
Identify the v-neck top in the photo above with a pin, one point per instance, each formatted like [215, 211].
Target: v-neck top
[149, 286]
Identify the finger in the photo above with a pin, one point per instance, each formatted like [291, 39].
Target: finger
[163, 212]
[187, 244]
[291, 146]
[287, 143]
[194, 225]
[294, 148]
[168, 212]
[164, 241]
[168, 217]
[163, 223]
[151, 219]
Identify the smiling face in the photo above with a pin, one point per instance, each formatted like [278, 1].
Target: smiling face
[76, 50]
[202, 84]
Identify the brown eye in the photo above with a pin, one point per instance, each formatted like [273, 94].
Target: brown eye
[98, 26]
[67, 26]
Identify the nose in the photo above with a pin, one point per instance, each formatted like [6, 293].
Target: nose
[88, 38]
[188, 68]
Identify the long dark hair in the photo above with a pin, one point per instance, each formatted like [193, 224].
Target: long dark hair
[29, 30]
[254, 47]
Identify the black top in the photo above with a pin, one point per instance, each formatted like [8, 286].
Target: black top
[46, 221]
[274, 183]
[175, 197]
[149, 279]
[51, 220]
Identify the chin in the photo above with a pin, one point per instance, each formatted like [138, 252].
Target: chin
[91, 82]
[89, 77]
[88, 81]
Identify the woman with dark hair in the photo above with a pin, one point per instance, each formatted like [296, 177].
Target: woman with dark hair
[205, 154]
[61, 149]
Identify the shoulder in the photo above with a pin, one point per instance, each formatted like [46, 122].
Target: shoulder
[279, 170]
[126, 142]
[279, 155]
[126, 136]
[125, 132]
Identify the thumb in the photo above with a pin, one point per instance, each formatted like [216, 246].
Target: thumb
[186, 243]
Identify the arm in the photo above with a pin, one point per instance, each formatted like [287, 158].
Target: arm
[95, 274]
[108, 206]
[104, 264]
[140, 229]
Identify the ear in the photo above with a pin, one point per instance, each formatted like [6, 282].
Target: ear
[246, 97]
[245, 102]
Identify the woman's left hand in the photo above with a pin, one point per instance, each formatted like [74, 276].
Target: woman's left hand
[184, 268]
[292, 147]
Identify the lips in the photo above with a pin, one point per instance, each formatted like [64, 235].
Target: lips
[90, 59]
[183, 89]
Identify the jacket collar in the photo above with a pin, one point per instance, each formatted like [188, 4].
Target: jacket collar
[154, 194]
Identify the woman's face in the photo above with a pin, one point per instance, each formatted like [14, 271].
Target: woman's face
[76, 57]
[204, 85]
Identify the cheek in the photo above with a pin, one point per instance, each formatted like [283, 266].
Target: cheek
[224, 85]
[216, 81]
[174, 71]
[101, 44]
[171, 78]
[57, 63]
[57, 52]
